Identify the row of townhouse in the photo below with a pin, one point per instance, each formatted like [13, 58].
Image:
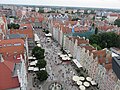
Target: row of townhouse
[98, 63]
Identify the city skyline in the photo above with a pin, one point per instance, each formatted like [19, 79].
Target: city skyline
[114, 4]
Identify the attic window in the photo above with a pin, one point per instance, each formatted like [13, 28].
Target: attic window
[9, 44]
[17, 44]
[107, 60]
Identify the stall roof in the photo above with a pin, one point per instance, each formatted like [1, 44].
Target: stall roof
[48, 35]
[77, 63]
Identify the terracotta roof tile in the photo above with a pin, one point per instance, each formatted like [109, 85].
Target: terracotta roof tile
[6, 79]
[28, 31]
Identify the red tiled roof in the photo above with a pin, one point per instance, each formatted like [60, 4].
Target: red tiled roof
[28, 31]
[8, 50]
[6, 79]
[105, 27]
[114, 14]
[108, 66]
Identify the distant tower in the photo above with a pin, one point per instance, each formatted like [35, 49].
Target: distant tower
[23, 15]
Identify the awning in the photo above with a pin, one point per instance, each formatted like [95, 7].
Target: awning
[31, 57]
[69, 55]
[30, 68]
[42, 69]
[38, 45]
[36, 69]
[93, 83]
[36, 37]
[33, 63]
[77, 63]
[48, 35]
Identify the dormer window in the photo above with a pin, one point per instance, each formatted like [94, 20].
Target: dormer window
[17, 44]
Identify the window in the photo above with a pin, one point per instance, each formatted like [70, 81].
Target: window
[9, 44]
[17, 44]
[107, 60]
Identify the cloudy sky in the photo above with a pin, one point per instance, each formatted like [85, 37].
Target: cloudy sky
[77, 3]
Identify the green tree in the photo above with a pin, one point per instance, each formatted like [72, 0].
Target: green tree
[105, 40]
[93, 18]
[66, 11]
[38, 52]
[96, 46]
[46, 31]
[96, 30]
[85, 11]
[94, 39]
[13, 26]
[75, 19]
[41, 63]
[117, 22]
[93, 25]
[16, 26]
[42, 75]
[41, 10]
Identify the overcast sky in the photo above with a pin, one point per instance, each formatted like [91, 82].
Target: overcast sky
[77, 3]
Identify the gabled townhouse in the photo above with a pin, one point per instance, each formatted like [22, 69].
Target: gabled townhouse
[27, 30]
[3, 27]
[13, 57]
[98, 63]
[112, 17]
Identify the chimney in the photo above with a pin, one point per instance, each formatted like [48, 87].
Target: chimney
[1, 58]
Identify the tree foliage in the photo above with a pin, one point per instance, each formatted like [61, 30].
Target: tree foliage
[96, 46]
[117, 22]
[38, 52]
[75, 19]
[96, 30]
[42, 75]
[46, 31]
[41, 10]
[105, 40]
[13, 26]
[41, 63]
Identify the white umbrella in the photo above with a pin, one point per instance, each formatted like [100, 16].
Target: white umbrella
[82, 87]
[87, 84]
[38, 45]
[82, 78]
[59, 53]
[93, 83]
[75, 78]
[33, 63]
[63, 58]
[36, 69]
[79, 83]
[30, 57]
[42, 69]
[69, 55]
[30, 68]
[36, 61]
[88, 78]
